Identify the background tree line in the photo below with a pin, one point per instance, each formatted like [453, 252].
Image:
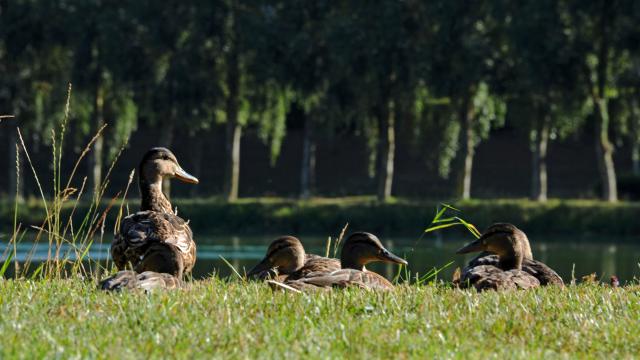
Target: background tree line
[450, 71]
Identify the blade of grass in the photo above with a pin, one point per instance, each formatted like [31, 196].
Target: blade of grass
[232, 268]
[6, 263]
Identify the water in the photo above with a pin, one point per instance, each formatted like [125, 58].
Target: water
[566, 255]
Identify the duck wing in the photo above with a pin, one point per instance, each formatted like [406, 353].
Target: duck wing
[489, 277]
[537, 269]
[342, 278]
[315, 264]
[146, 281]
[140, 230]
[545, 274]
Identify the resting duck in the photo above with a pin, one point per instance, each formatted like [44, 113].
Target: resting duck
[287, 260]
[150, 280]
[512, 265]
[358, 250]
[155, 238]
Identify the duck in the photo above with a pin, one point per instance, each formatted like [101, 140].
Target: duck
[359, 249]
[506, 262]
[150, 280]
[154, 239]
[286, 259]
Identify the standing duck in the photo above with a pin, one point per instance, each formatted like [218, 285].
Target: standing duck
[510, 267]
[358, 250]
[154, 239]
[287, 260]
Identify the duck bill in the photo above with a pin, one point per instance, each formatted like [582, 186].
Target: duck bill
[264, 265]
[392, 258]
[475, 246]
[185, 176]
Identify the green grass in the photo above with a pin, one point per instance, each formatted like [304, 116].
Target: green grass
[69, 318]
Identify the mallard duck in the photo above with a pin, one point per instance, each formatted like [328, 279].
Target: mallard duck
[358, 250]
[287, 260]
[510, 267]
[155, 238]
[160, 254]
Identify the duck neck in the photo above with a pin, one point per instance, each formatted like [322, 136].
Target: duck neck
[152, 197]
[350, 262]
[512, 260]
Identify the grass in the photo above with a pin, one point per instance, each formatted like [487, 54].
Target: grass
[214, 318]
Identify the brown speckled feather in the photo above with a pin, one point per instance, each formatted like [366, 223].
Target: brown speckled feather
[315, 264]
[341, 279]
[139, 231]
[312, 264]
[147, 281]
[488, 277]
[543, 273]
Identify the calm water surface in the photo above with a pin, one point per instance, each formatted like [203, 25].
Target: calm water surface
[566, 255]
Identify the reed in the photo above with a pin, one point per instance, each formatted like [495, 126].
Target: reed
[68, 243]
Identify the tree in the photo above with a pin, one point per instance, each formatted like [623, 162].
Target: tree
[466, 53]
[303, 32]
[35, 65]
[601, 28]
[100, 39]
[247, 80]
[376, 45]
[541, 81]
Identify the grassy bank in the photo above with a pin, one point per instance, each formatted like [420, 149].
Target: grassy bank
[66, 318]
[399, 217]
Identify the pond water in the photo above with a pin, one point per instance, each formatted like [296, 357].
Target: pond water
[568, 255]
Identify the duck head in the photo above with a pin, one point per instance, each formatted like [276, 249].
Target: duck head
[505, 240]
[362, 248]
[285, 255]
[157, 164]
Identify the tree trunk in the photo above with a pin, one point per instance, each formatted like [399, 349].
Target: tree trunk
[467, 113]
[604, 147]
[234, 128]
[386, 149]
[308, 168]
[232, 173]
[96, 155]
[604, 152]
[539, 159]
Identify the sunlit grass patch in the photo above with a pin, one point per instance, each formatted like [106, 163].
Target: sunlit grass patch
[231, 318]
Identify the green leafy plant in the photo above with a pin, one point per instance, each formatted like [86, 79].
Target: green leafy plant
[442, 221]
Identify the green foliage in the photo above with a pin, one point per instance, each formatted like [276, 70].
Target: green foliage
[490, 111]
[448, 149]
[441, 222]
[272, 119]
